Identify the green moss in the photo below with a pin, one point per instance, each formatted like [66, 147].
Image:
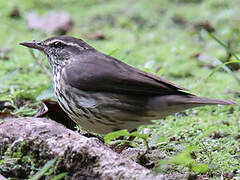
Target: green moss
[24, 159]
[21, 159]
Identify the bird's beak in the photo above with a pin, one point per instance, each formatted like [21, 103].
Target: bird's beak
[34, 45]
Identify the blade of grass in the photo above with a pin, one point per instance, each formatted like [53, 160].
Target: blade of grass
[59, 176]
[113, 52]
[223, 45]
[114, 135]
[8, 76]
[223, 65]
[42, 171]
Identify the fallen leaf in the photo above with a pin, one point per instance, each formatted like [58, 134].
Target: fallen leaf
[96, 36]
[228, 175]
[53, 22]
[6, 115]
[52, 109]
[195, 112]
[217, 135]
[4, 53]
[234, 66]
[193, 155]
[236, 157]
[237, 137]
[226, 123]
[204, 25]
[192, 177]
[179, 20]
[181, 114]
[15, 13]
[206, 59]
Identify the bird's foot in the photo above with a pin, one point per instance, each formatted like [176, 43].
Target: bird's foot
[90, 135]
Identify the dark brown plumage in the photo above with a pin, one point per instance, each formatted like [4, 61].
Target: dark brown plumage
[103, 94]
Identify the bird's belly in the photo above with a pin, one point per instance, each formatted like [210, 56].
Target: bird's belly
[103, 113]
[103, 121]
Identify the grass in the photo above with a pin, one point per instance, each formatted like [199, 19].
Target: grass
[145, 35]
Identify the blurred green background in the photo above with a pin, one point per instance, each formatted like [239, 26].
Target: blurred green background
[168, 38]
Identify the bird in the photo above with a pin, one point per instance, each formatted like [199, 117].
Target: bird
[102, 94]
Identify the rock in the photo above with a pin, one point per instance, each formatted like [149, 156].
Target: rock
[38, 140]
[53, 22]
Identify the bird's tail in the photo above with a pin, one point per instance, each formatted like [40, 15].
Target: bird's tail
[162, 106]
[207, 101]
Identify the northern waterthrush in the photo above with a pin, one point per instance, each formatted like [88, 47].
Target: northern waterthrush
[102, 94]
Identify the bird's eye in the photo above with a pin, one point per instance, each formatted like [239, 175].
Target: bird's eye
[57, 44]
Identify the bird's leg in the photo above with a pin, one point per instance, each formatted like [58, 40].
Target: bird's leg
[145, 152]
[91, 135]
[114, 146]
[131, 138]
[121, 148]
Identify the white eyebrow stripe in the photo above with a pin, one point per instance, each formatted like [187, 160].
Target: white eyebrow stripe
[57, 40]
[53, 41]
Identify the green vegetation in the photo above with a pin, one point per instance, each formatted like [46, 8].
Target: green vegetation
[150, 35]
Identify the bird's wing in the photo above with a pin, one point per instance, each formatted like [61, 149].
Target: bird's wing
[94, 71]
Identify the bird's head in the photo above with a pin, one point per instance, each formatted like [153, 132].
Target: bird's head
[60, 49]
